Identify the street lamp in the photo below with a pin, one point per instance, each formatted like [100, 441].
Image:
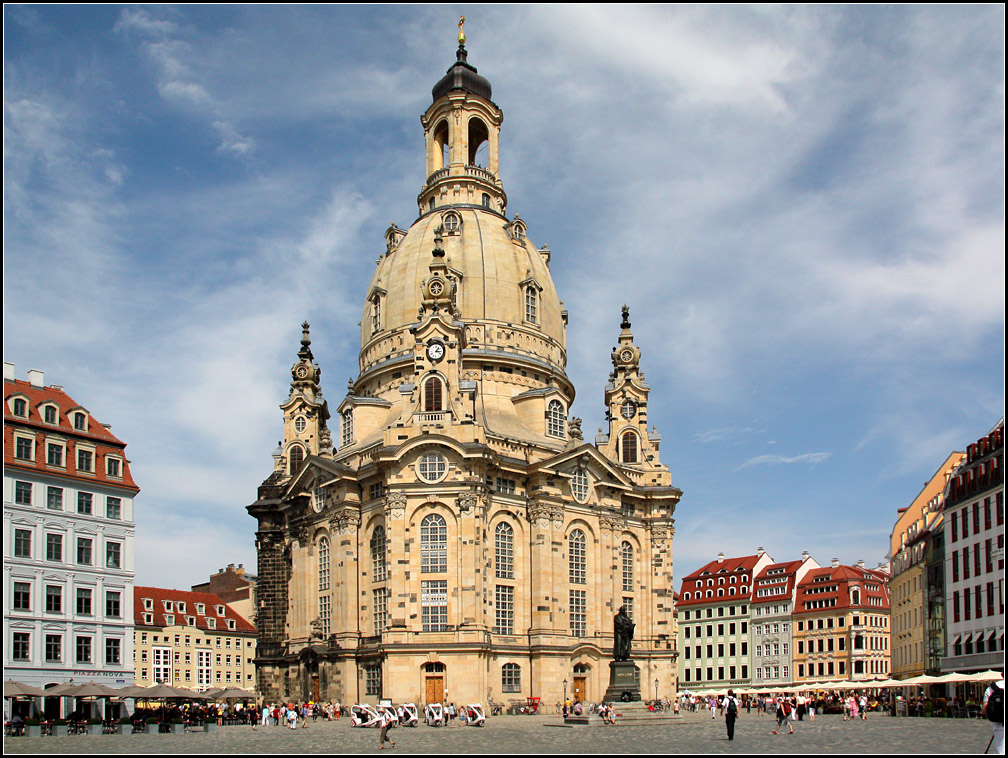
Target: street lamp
[656, 691]
[565, 692]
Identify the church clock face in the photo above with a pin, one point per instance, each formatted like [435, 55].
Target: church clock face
[301, 372]
[629, 409]
[627, 355]
[436, 287]
[436, 351]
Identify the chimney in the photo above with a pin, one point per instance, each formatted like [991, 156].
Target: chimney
[760, 551]
[720, 557]
[805, 555]
[835, 563]
[36, 378]
[8, 372]
[860, 564]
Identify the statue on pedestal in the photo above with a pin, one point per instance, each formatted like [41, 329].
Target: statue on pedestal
[623, 629]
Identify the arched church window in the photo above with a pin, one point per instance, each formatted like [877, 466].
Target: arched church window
[323, 564]
[555, 419]
[629, 448]
[510, 677]
[378, 571]
[579, 485]
[486, 200]
[348, 431]
[855, 597]
[577, 558]
[478, 138]
[504, 551]
[433, 395]
[433, 544]
[296, 458]
[531, 303]
[626, 556]
[375, 313]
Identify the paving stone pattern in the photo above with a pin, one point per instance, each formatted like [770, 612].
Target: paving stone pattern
[692, 733]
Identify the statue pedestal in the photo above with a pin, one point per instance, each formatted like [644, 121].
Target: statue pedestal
[624, 683]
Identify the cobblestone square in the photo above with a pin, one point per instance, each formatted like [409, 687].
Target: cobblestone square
[692, 733]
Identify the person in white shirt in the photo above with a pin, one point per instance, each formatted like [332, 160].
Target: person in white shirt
[997, 739]
[384, 720]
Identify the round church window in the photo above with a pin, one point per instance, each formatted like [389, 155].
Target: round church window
[432, 467]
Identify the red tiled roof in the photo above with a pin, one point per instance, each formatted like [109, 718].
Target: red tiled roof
[765, 579]
[159, 596]
[837, 583]
[729, 567]
[104, 441]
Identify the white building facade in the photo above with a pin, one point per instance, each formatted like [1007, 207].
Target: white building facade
[68, 533]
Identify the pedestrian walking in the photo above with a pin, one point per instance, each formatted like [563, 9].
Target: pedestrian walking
[385, 718]
[783, 716]
[731, 709]
[993, 709]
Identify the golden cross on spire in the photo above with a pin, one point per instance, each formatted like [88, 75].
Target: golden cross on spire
[461, 30]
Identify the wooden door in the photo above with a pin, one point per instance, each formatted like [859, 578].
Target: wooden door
[315, 688]
[434, 689]
[579, 688]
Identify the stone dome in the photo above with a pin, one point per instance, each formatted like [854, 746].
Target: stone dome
[494, 266]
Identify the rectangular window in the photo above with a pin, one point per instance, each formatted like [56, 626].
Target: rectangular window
[22, 543]
[23, 448]
[955, 565]
[22, 596]
[113, 555]
[83, 650]
[53, 498]
[84, 502]
[162, 667]
[21, 642]
[83, 601]
[85, 460]
[112, 467]
[22, 493]
[503, 609]
[965, 562]
[578, 612]
[434, 605]
[54, 454]
[54, 547]
[113, 604]
[54, 598]
[372, 679]
[53, 648]
[113, 508]
[113, 652]
[84, 551]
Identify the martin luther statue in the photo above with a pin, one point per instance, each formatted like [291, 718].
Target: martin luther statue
[623, 629]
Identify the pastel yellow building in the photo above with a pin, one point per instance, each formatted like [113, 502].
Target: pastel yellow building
[462, 542]
[910, 543]
[191, 639]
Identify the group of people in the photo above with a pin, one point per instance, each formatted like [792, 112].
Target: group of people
[289, 714]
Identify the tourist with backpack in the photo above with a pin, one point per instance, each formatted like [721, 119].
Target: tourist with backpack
[993, 709]
[784, 715]
[730, 708]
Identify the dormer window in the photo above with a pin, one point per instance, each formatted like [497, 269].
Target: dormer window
[20, 407]
[451, 222]
[230, 624]
[80, 421]
[211, 623]
[190, 620]
[148, 604]
[219, 609]
[555, 419]
[49, 414]
[113, 467]
[181, 606]
[167, 604]
[531, 303]
[347, 430]
[201, 609]
[169, 619]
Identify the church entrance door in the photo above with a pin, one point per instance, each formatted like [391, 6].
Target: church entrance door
[580, 688]
[434, 691]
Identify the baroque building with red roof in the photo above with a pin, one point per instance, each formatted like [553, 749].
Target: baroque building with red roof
[68, 540]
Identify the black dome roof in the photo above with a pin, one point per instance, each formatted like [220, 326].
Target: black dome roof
[462, 76]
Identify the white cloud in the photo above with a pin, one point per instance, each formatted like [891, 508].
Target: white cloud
[763, 460]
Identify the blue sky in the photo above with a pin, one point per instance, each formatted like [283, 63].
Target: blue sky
[802, 206]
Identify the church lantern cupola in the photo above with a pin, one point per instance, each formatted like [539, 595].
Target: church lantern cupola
[461, 134]
[305, 412]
